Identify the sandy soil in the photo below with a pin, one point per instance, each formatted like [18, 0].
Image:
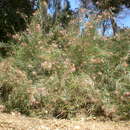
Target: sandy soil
[19, 122]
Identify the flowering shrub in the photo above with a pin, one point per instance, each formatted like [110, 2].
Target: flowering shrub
[59, 74]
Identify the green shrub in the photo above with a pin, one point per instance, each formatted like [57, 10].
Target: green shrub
[18, 101]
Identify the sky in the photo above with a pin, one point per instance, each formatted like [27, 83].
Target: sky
[74, 4]
[123, 18]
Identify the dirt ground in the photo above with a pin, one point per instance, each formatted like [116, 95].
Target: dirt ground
[19, 122]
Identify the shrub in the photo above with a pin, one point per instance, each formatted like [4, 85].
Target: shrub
[69, 74]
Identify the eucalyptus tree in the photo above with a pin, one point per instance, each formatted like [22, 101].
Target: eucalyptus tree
[60, 8]
[112, 7]
[60, 12]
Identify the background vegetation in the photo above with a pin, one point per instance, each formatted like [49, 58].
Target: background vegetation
[48, 70]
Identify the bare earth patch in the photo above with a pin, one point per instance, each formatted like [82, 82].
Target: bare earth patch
[19, 122]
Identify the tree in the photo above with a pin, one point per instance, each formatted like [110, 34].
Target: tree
[61, 13]
[13, 16]
[112, 7]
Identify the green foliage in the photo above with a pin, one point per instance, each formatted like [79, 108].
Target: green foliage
[18, 101]
[12, 16]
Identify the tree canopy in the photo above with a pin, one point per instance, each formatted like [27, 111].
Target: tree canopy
[14, 15]
[114, 5]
